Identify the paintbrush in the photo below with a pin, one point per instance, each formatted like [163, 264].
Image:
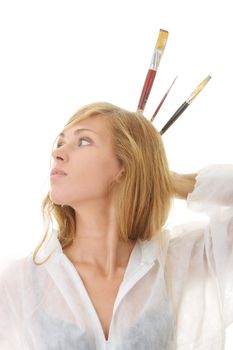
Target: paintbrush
[183, 107]
[162, 101]
[156, 58]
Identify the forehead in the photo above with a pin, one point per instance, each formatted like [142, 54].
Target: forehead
[96, 124]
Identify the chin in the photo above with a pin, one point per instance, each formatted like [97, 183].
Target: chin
[56, 199]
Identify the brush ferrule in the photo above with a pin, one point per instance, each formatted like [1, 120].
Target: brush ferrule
[198, 89]
[190, 99]
[157, 54]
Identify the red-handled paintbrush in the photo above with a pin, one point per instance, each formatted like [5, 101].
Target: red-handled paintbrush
[155, 61]
[162, 101]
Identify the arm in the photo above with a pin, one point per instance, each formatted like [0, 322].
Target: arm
[11, 318]
[183, 184]
[213, 188]
[208, 247]
[9, 332]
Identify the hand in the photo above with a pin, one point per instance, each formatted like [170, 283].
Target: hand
[183, 184]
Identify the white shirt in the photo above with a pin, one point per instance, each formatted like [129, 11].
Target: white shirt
[47, 307]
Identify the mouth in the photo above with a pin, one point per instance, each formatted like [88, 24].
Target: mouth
[57, 172]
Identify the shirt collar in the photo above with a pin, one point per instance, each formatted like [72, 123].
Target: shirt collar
[50, 247]
[144, 252]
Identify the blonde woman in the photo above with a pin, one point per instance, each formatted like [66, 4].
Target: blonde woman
[107, 274]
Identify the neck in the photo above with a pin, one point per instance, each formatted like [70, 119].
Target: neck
[97, 240]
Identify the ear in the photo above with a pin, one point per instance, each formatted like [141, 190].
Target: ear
[120, 175]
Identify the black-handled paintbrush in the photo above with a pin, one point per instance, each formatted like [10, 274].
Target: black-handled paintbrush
[183, 107]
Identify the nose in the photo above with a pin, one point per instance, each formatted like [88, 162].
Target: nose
[60, 154]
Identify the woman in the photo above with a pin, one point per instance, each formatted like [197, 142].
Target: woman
[109, 275]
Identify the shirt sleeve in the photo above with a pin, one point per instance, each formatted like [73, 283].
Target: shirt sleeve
[10, 338]
[213, 195]
[200, 261]
[213, 189]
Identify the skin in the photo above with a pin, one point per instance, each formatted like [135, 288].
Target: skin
[88, 159]
[97, 253]
[184, 184]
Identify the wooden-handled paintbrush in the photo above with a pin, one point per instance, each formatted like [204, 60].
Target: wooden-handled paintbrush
[155, 61]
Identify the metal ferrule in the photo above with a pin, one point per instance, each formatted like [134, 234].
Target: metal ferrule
[157, 54]
[190, 99]
[198, 89]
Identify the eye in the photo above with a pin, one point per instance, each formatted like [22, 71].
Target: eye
[59, 144]
[83, 141]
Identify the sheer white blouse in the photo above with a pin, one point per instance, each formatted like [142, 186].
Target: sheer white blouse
[179, 297]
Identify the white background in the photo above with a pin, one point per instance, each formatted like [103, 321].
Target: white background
[57, 55]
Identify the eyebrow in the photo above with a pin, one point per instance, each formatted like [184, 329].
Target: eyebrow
[77, 131]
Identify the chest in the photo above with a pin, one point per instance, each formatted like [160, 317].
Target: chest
[141, 318]
[102, 292]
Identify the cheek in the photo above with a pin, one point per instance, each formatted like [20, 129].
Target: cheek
[96, 174]
[89, 181]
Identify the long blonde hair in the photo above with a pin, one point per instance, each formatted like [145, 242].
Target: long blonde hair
[145, 192]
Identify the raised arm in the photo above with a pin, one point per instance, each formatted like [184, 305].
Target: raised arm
[201, 255]
[184, 184]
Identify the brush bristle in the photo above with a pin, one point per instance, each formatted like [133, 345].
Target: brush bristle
[162, 39]
[198, 89]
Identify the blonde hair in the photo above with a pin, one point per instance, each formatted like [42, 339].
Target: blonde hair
[146, 189]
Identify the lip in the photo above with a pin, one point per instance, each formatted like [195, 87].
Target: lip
[55, 172]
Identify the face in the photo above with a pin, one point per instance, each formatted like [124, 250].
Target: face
[84, 164]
